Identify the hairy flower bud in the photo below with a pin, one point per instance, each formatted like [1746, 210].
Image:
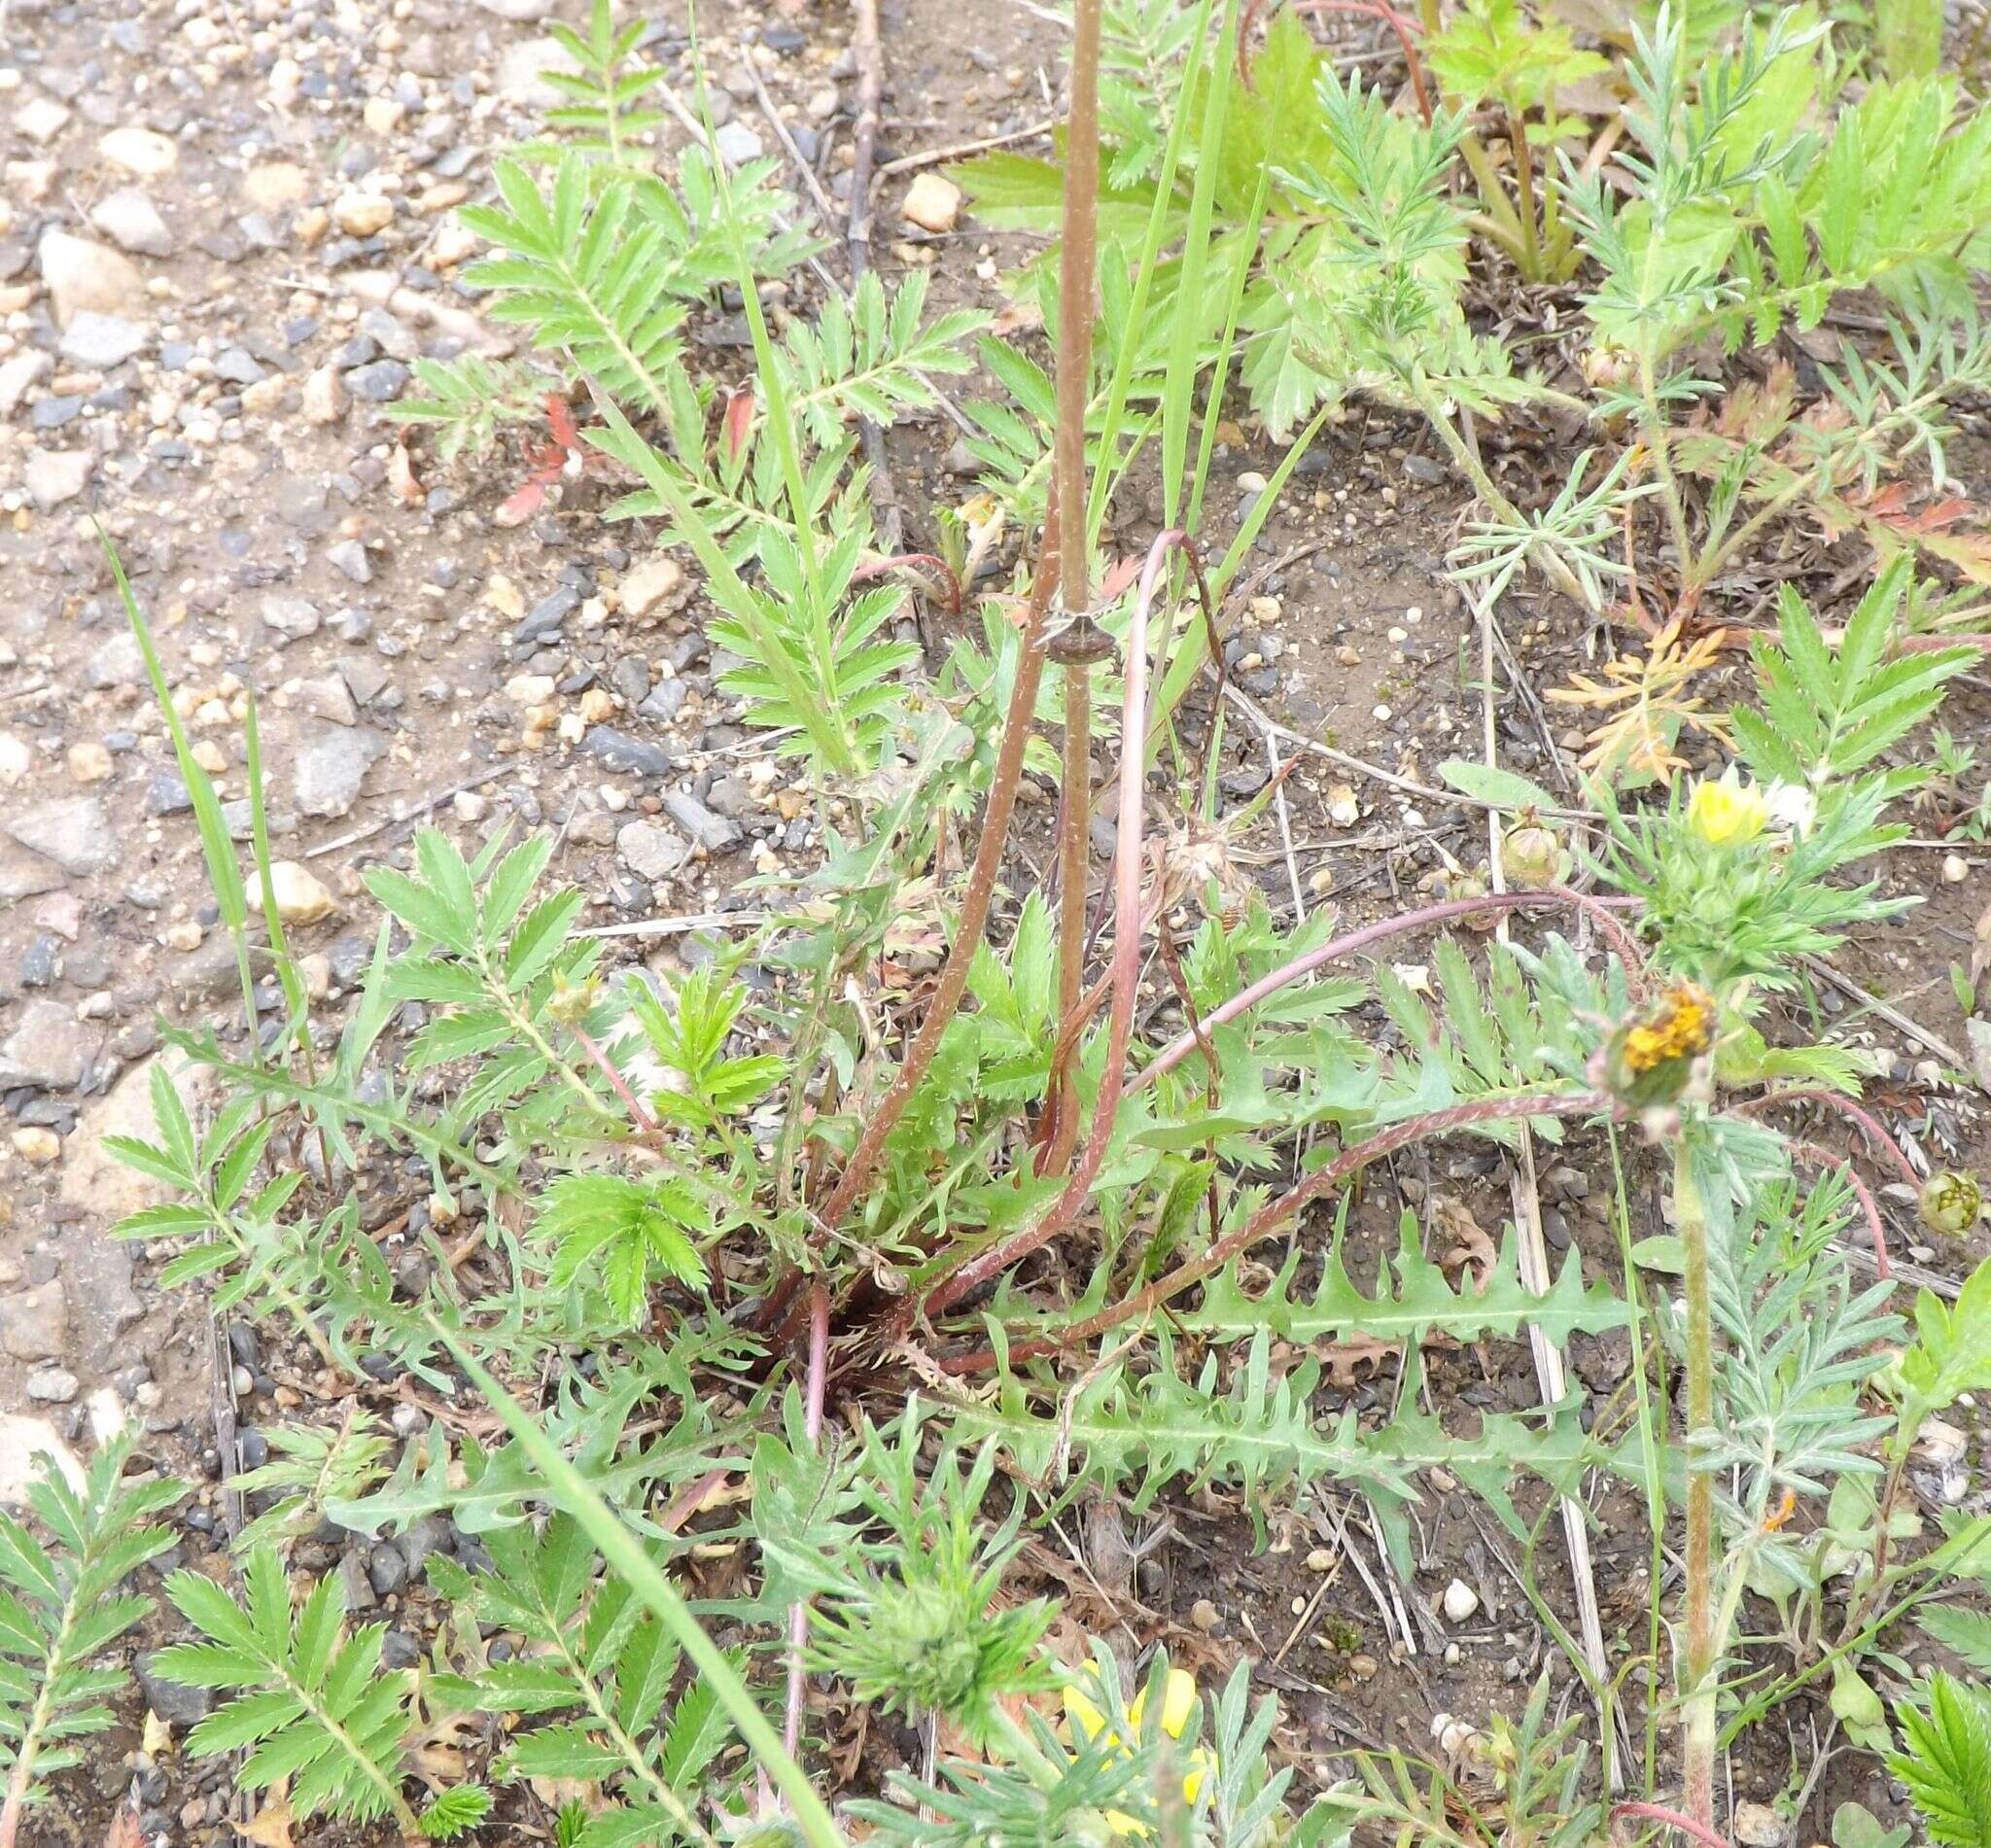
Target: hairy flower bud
[1530, 855]
[1951, 1202]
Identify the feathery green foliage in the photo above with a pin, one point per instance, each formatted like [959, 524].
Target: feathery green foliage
[1945, 1762]
[312, 1700]
[61, 1607]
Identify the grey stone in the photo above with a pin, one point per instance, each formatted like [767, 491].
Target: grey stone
[25, 875]
[519, 12]
[165, 794]
[387, 1571]
[34, 1324]
[49, 1048]
[620, 752]
[653, 850]
[738, 144]
[52, 477]
[17, 374]
[119, 662]
[734, 798]
[546, 616]
[101, 341]
[713, 832]
[380, 383]
[292, 617]
[329, 764]
[73, 831]
[131, 220]
[328, 697]
[173, 1701]
[238, 366]
[349, 556]
[630, 677]
[666, 701]
[54, 1385]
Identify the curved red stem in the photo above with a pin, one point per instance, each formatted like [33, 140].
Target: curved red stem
[1673, 1819]
[1127, 858]
[1600, 909]
[1368, 10]
[1267, 1219]
[1876, 1131]
[905, 561]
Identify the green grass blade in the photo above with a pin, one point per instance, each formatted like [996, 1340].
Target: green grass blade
[224, 873]
[259, 841]
[1184, 342]
[1144, 283]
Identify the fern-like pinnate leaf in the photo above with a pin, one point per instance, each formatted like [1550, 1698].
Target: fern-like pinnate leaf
[632, 1229]
[463, 401]
[870, 359]
[314, 1466]
[60, 1609]
[1829, 711]
[595, 1656]
[314, 1702]
[601, 268]
[589, 272]
[1945, 1762]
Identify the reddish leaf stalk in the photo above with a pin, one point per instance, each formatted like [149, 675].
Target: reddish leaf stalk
[1598, 909]
[1270, 1217]
[1365, 8]
[1672, 1819]
[1874, 1129]
[906, 562]
[1126, 958]
[1075, 823]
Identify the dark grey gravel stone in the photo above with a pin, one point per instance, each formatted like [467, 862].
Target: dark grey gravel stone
[620, 752]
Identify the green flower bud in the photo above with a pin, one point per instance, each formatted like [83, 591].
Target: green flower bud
[1951, 1202]
[1530, 855]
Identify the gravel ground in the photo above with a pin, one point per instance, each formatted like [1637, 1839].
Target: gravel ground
[227, 232]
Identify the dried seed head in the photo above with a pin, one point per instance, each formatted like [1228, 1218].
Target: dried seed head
[1653, 1058]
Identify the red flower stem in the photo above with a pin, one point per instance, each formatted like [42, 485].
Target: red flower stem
[1599, 909]
[975, 901]
[1126, 961]
[1270, 1217]
[1875, 1130]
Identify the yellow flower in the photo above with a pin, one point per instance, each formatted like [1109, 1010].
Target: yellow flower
[1178, 1697]
[1728, 811]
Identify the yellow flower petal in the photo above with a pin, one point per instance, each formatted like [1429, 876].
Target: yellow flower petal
[1178, 1697]
[1084, 1718]
[1727, 812]
[1200, 1763]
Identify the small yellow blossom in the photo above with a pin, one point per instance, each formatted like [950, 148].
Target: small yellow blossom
[1728, 811]
[1178, 1697]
